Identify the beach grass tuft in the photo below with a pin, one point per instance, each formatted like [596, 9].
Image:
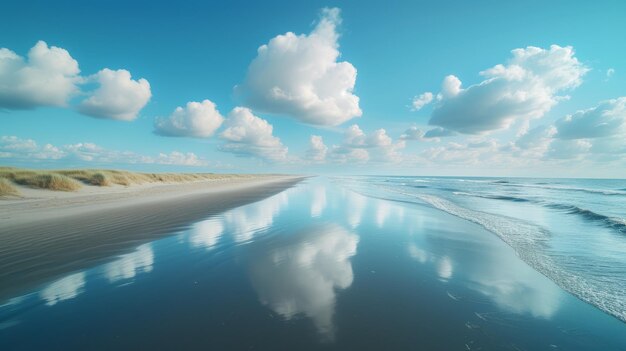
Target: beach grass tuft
[71, 179]
[50, 181]
[7, 188]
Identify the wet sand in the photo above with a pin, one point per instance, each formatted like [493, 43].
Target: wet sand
[48, 234]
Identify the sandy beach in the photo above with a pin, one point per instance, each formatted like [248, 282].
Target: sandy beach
[45, 234]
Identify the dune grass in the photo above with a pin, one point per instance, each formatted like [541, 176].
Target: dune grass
[7, 188]
[73, 179]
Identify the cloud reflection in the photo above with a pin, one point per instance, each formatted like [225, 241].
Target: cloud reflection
[300, 273]
[248, 220]
[207, 233]
[355, 205]
[504, 279]
[131, 264]
[63, 289]
[318, 203]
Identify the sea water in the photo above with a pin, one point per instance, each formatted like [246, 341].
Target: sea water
[357, 263]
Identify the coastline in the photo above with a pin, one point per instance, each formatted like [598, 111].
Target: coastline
[43, 237]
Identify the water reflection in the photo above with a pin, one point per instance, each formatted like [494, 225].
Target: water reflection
[444, 268]
[355, 206]
[299, 274]
[502, 278]
[383, 210]
[206, 233]
[131, 264]
[318, 203]
[63, 289]
[515, 287]
[247, 220]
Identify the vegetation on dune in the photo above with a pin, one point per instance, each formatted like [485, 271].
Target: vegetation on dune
[70, 180]
[7, 188]
[51, 181]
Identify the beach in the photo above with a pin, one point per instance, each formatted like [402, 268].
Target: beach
[45, 233]
[323, 263]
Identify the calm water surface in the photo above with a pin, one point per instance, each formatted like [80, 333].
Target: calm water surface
[350, 263]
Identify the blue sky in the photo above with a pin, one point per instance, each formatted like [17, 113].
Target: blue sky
[352, 74]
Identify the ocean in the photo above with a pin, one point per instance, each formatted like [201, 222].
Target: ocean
[573, 231]
[357, 263]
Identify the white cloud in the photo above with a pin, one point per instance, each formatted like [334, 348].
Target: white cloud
[412, 133]
[536, 138]
[358, 147]
[317, 149]
[179, 159]
[249, 135]
[525, 88]
[422, 100]
[438, 132]
[568, 149]
[197, 119]
[48, 77]
[343, 154]
[605, 120]
[12, 147]
[355, 137]
[117, 97]
[298, 76]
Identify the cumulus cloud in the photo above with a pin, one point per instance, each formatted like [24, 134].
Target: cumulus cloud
[605, 120]
[118, 96]
[47, 77]
[299, 76]
[422, 100]
[414, 133]
[197, 119]
[12, 147]
[438, 132]
[524, 88]
[534, 143]
[359, 147]
[317, 149]
[249, 135]
[568, 149]
[470, 153]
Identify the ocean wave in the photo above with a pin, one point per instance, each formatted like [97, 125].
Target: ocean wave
[617, 224]
[501, 182]
[494, 197]
[621, 192]
[614, 223]
[530, 241]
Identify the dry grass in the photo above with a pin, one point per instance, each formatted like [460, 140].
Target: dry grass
[7, 188]
[70, 180]
[50, 181]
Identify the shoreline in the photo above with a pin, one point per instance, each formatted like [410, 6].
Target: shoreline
[46, 237]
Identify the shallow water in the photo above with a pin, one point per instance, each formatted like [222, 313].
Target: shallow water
[321, 266]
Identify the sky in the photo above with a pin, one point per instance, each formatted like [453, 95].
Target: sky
[480, 88]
